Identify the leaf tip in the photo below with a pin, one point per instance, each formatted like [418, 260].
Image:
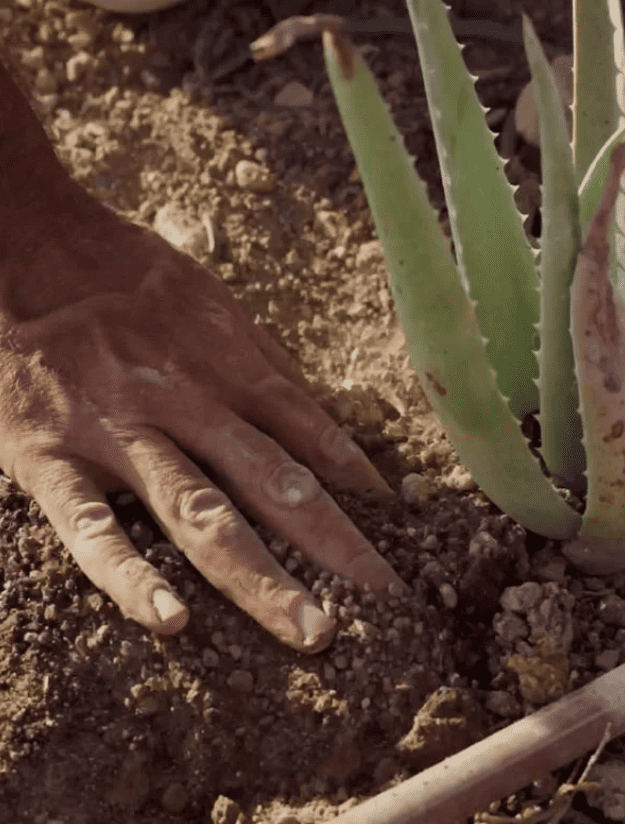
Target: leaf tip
[336, 38]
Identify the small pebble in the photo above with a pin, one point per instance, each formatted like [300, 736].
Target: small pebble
[77, 65]
[521, 598]
[460, 479]
[235, 651]
[502, 703]
[177, 227]
[175, 798]
[415, 489]
[385, 769]
[34, 58]
[45, 81]
[369, 253]
[241, 680]
[329, 673]
[225, 811]
[612, 610]
[607, 659]
[294, 95]
[81, 40]
[253, 177]
[448, 596]
[210, 658]
[395, 590]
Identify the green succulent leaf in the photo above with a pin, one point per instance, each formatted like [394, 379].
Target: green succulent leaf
[591, 187]
[598, 329]
[598, 58]
[493, 254]
[442, 332]
[560, 423]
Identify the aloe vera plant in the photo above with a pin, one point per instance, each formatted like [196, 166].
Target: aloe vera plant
[495, 333]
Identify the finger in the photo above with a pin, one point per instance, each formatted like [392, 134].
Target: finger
[203, 523]
[285, 496]
[293, 418]
[87, 526]
[289, 369]
[280, 360]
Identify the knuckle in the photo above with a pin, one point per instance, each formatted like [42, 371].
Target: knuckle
[92, 520]
[207, 508]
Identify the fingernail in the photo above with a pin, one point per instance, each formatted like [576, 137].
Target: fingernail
[342, 450]
[317, 628]
[292, 484]
[169, 609]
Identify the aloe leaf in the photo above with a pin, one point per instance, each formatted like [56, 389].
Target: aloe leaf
[492, 250]
[598, 55]
[560, 423]
[598, 329]
[591, 187]
[442, 333]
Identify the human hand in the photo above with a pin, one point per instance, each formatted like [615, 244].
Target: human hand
[119, 358]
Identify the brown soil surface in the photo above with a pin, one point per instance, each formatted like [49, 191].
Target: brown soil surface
[103, 723]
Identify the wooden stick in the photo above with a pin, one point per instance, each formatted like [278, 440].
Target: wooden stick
[505, 762]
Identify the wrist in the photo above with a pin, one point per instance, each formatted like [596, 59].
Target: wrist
[33, 183]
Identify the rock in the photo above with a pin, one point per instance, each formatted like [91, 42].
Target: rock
[241, 680]
[328, 222]
[131, 786]
[385, 769]
[553, 570]
[175, 798]
[612, 610]
[415, 489]
[460, 479]
[77, 65]
[449, 721]
[521, 598]
[210, 658]
[340, 662]
[253, 177]
[449, 596]
[526, 113]
[225, 811]
[176, 227]
[509, 628]
[45, 81]
[294, 95]
[502, 703]
[33, 58]
[81, 40]
[607, 659]
[369, 253]
[610, 797]
[543, 674]
[343, 761]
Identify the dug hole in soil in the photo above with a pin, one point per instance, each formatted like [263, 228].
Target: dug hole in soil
[247, 168]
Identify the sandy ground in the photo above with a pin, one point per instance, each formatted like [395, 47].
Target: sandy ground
[247, 168]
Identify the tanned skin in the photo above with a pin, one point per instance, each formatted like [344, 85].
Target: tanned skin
[119, 358]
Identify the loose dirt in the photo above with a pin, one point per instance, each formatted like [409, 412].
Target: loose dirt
[247, 168]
